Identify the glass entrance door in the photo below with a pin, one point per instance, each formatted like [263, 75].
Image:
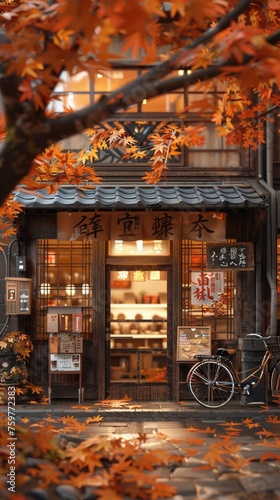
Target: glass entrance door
[138, 325]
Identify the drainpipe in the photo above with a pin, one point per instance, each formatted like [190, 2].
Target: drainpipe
[271, 226]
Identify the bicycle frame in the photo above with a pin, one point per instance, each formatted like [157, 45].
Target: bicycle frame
[256, 373]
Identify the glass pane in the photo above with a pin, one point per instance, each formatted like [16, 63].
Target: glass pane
[110, 80]
[138, 325]
[169, 103]
[75, 83]
[68, 100]
[71, 92]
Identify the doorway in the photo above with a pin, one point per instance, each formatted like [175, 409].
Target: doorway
[139, 325]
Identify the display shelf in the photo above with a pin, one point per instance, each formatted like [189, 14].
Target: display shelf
[138, 339]
[139, 336]
[139, 312]
[137, 305]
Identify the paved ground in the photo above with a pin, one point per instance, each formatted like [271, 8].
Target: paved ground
[228, 454]
[146, 410]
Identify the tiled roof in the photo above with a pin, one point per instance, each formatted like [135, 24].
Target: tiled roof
[192, 196]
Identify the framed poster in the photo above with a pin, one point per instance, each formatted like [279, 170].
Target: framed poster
[192, 340]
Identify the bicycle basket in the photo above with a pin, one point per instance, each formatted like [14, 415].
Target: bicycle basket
[273, 345]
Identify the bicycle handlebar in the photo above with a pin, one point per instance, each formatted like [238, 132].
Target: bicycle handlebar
[258, 335]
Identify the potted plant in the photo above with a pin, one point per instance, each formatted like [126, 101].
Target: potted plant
[15, 350]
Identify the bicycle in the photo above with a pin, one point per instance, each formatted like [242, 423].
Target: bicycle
[213, 380]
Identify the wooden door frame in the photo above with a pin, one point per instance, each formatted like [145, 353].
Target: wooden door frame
[142, 264]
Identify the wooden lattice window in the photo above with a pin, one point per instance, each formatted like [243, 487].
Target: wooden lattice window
[63, 281]
[208, 297]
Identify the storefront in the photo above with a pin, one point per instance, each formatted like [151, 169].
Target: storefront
[128, 266]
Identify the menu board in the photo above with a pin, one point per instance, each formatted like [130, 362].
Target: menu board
[65, 362]
[192, 340]
[65, 343]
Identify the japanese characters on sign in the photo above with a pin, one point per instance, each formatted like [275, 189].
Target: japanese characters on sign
[206, 287]
[65, 362]
[130, 225]
[139, 276]
[204, 226]
[230, 256]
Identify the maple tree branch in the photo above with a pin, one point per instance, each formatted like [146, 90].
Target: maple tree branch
[144, 87]
[179, 59]
[128, 94]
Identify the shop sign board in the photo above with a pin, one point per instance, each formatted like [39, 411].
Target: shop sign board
[230, 256]
[133, 225]
[18, 295]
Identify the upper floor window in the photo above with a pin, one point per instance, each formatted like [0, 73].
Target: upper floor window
[187, 104]
[79, 90]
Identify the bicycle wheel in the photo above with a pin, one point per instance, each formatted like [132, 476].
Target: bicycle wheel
[211, 384]
[275, 380]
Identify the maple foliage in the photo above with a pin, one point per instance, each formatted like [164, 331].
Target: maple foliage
[230, 44]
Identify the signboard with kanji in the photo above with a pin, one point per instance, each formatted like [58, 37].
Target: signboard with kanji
[141, 225]
[206, 287]
[230, 256]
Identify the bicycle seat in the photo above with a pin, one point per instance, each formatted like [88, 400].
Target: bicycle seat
[226, 353]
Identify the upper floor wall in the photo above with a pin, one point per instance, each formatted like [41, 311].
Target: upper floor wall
[213, 158]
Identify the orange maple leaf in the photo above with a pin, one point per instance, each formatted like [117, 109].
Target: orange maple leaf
[231, 424]
[215, 455]
[266, 433]
[250, 423]
[35, 389]
[47, 473]
[236, 463]
[95, 419]
[49, 418]
[152, 458]
[273, 419]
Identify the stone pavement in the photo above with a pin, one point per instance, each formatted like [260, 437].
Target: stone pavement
[232, 453]
[144, 410]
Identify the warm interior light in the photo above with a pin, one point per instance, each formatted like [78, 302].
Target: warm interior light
[45, 288]
[70, 290]
[180, 72]
[139, 246]
[119, 246]
[85, 288]
[158, 246]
